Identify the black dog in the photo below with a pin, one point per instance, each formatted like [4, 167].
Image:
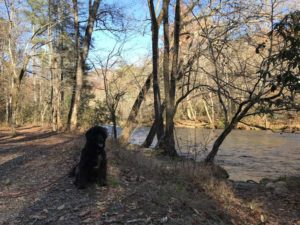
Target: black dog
[93, 163]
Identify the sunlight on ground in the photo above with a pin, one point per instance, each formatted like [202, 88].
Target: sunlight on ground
[9, 157]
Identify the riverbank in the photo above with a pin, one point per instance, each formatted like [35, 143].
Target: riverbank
[275, 126]
[143, 188]
[257, 123]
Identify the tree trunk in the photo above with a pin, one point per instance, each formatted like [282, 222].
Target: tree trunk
[212, 120]
[166, 73]
[236, 118]
[60, 65]
[130, 123]
[77, 95]
[72, 102]
[13, 92]
[211, 156]
[72, 116]
[35, 101]
[51, 60]
[208, 114]
[212, 111]
[169, 141]
[155, 57]
[114, 120]
[12, 107]
[35, 94]
[41, 104]
[55, 93]
[7, 109]
[190, 111]
[150, 137]
[82, 54]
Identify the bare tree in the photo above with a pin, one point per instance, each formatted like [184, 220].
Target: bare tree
[242, 88]
[18, 63]
[170, 78]
[82, 53]
[155, 24]
[112, 78]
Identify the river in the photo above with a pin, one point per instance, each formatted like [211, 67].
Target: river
[246, 155]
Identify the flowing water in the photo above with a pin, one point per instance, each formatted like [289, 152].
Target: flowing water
[246, 155]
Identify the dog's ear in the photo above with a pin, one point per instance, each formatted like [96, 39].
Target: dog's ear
[104, 132]
[91, 134]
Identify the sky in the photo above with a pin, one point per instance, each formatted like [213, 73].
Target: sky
[138, 41]
[138, 44]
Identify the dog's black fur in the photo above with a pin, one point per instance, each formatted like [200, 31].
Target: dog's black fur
[93, 162]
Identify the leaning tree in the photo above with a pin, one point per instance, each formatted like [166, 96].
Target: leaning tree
[276, 85]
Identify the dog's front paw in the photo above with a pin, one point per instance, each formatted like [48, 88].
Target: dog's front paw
[80, 186]
[102, 183]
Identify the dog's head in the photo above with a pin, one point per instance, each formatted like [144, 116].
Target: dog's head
[97, 135]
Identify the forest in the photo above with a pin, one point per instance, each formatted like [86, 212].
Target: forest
[186, 89]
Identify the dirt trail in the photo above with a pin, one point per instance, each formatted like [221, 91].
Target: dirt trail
[35, 188]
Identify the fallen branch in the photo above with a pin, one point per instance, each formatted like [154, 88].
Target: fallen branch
[257, 126]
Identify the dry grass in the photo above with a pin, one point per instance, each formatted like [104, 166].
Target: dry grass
[188, 176]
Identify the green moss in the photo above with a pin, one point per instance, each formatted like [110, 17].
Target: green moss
[113, 182]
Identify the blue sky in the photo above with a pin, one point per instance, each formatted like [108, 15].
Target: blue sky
[138, 42]
[137, 46]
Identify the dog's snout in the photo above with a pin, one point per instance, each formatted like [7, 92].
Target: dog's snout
[100, 145]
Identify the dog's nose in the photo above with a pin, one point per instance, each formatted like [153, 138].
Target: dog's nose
[100, 145]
